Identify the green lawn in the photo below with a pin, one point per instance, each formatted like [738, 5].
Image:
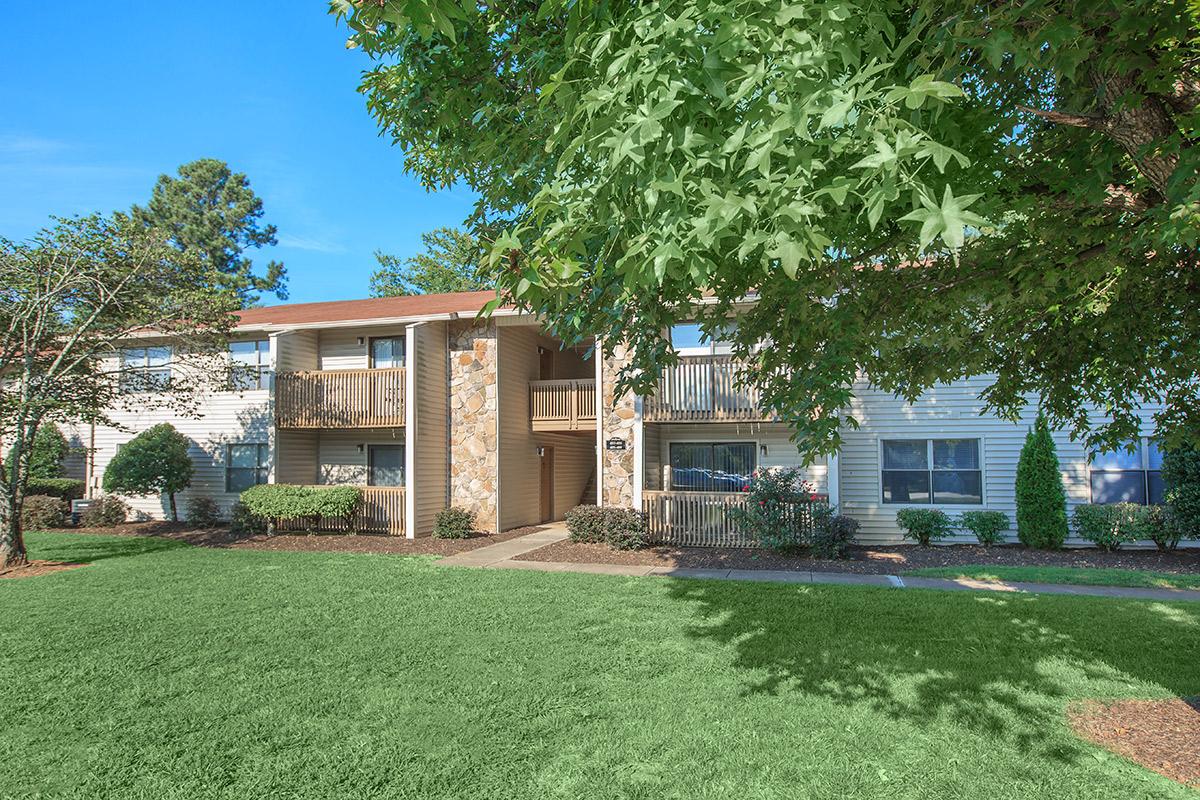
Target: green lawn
[166, 671]
[1089, 576]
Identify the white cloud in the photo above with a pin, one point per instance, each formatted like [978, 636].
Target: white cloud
[312, 243]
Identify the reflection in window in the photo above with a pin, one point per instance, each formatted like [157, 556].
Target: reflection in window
[145, 369]
[385, 465]
[387, 352]
[1130, 474]
[245, 466]
[250, 365]
[932, 471]
[712, 466]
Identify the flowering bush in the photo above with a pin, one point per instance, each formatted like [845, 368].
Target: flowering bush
[776, 513]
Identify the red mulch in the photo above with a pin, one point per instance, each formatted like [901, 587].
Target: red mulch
[35, 568]
[318, 542]
[867, 560]
[1162, 735]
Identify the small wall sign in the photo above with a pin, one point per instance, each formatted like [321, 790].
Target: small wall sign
[614, 444]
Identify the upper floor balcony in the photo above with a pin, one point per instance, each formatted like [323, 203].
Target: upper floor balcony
[346, 398]
[703, 388]
[562, 405]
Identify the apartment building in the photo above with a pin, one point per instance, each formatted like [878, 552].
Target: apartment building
[423, 405]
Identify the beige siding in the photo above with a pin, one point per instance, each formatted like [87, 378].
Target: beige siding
[339, 459]
[220, 418]
[339, 348]
[428, 435]
[520, 480]
[296, 457]
[296, 351]
[950, 411]
[574, 464]
[774, 436]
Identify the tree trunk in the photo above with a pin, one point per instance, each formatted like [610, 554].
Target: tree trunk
[1140, 128]
[174, 510]
[12, 541]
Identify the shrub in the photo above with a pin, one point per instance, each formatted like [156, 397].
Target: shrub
[832, 533]
[453, 523]
[242, 520]
[203, 512]
[773, 512]
[1181, 485]
[1041, 499]
[104, 512]
[47, 452]
[1161, 528]
[585, 524]
[621, 528]
[924, 525]
[278, 502]
[156, 461]
[43, 511]
[624, 528]
[988, 526]
[63, 488]
[1110, 526]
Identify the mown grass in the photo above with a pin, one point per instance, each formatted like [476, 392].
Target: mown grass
[165, 671]
[1099, 576]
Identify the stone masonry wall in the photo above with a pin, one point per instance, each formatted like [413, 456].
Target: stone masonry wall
[618, 417]
[473, 414]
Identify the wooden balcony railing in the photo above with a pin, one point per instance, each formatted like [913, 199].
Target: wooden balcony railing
[351, 398]
[704, 519]
[565, 405]
[382, 511]
[703, 389]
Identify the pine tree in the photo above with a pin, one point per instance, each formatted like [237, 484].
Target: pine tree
[155, 461]
[1041, 499]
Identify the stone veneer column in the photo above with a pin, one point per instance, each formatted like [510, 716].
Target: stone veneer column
[473, 415]
[617, 422]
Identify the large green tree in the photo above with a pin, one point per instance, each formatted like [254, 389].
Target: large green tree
[156, 461]
[71, 298]
[450, 262]
[911, 190]
[210, 210]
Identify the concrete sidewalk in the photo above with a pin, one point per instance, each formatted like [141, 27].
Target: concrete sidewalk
[503, 555]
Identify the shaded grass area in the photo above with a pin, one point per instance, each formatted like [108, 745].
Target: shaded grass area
[1097, 576]
[180, 672]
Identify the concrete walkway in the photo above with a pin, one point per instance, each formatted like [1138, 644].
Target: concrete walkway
[503, 554]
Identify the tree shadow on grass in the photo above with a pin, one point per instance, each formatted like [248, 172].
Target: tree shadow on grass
[87, 549]
[1003, 667]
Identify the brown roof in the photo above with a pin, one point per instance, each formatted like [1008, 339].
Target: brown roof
[418, 305]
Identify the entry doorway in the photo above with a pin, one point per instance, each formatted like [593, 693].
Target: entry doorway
[545, 364]
[547, 482]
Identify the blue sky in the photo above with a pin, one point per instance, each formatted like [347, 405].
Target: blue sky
[101, 98]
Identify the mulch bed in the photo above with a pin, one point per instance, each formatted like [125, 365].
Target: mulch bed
[319, 542]
[866, 560]
[35, 568]
[1162, 735]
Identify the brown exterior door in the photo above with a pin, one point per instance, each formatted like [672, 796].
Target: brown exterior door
[547, 470]
[545, 364]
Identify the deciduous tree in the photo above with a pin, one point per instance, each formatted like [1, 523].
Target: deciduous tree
[156, 461]
[911, 191]
[451, 262]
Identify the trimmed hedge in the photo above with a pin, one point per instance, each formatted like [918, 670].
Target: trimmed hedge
[988, 526]
[203, 512]
[41, 511]
[1110, 526]
[278, 502]
[241, 520]
[63, 488]
[1041, 499]
[105, 512]
[1181, 480]
[453, 523]
[620, 528]
[833, 533]
[924, 525]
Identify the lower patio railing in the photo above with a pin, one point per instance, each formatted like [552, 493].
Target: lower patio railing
[705, 519]
[382, 511]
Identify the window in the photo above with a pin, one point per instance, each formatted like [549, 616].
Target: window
[250, 365]
[387, 352]
[712, 466]
[245, 466]
[932, 471]
[1128, 476]
[145, 369]
[385, 465]
[688, 339]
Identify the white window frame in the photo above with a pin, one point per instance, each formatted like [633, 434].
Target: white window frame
[263, 463]
[929, 439]
[144, 369]
[1143, 458]
[262, 368]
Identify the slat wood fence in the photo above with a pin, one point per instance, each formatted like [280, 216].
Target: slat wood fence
[562, 405]
[703, 389]
[704, 519]
[350, 398]
[382, 511]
